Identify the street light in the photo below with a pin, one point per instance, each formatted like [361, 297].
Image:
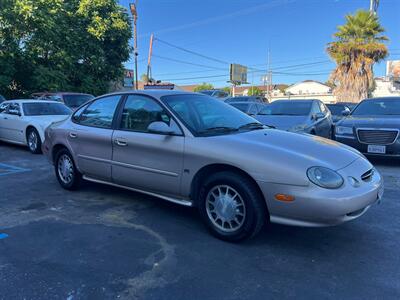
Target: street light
[133, 9]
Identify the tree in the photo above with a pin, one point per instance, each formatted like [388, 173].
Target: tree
[358, 46]
[254, 91]
[144, 78]
[75, 45]
[203, 86]
[227, 89]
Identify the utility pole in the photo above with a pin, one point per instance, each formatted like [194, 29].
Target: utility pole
[373, 6]
[133, 7]
[269, 77]
[149, 58]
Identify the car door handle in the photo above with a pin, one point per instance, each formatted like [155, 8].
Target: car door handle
[73, 135]
[5, 118]
[121, 143]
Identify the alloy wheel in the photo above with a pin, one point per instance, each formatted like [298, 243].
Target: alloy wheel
[65, 169]
[225, 208]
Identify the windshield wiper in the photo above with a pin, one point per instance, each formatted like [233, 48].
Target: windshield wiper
[218, 128]
[252, 126]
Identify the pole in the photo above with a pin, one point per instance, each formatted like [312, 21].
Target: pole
[133, 7]
[149, 58]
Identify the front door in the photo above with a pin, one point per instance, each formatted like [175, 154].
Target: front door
[144, 160]
[91, 136]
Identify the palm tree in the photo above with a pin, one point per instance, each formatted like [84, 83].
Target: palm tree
[358, 46]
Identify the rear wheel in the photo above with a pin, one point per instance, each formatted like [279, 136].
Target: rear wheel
[67, 174]
[231, 206]
[33, 140]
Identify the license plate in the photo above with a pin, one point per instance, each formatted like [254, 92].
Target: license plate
[376, 149]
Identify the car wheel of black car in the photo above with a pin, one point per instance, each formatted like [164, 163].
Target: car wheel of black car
[231, 206]
[67, 174]
[33, 140]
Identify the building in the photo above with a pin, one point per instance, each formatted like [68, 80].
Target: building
[307, 89]
[385, 86]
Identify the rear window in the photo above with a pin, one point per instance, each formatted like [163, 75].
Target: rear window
[289, 108]
[45, 109]
[76, 100]
[337, 110]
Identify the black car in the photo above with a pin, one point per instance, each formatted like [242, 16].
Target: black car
[372, 127]
[258, 99]
[338, 111]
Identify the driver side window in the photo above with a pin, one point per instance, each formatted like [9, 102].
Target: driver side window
[13, 109]
[139, 112]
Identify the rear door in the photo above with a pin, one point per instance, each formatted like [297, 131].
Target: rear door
[90, 137]
[144, 160]
[3, 110]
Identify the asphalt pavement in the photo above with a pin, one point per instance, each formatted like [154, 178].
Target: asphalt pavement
[107, 243]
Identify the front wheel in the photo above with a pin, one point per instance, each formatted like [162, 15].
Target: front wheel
[231, 206]
[34, 141]
[67, 174]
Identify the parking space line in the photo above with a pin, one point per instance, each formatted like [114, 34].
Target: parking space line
[6, 169]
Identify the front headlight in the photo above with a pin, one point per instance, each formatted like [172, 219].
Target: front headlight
[325, 177]
[344, 130]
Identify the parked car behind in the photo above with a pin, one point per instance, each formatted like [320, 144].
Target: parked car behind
[72, 100]
[2, 99]
[372, 127]
[258, 99]
[194, 150]
[338, 111]
[301, 116]
[220, 94]
[24, 121]
[250, 108]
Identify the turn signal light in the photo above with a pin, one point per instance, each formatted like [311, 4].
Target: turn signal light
[284, 198]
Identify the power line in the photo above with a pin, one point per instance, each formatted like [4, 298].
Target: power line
[192, 52]
[187, 63]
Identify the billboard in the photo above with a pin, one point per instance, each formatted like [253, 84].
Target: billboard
[238, 74]
[393, 69]
[128, 78]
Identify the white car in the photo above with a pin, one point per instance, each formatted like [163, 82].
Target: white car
[24, 121]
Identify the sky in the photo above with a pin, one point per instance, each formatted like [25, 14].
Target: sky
[295, 33]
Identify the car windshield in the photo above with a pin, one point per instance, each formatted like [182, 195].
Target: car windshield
[378, 107]
[241, 106]
[290, 108]
[337, 110]
[205, 115]
[45, 109]
[240, 99]
[76, 100]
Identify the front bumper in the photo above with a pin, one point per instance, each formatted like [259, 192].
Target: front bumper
[352, 141]
[316, 206]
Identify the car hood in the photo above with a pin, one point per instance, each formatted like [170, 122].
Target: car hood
[371, 121]
[282, 122]
[272, 155]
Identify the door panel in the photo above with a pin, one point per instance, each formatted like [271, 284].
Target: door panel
[147, 161]
[91, 137]
[144, 160]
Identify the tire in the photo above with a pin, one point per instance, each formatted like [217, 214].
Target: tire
[66, 172]
[252, 206]
[33, 141]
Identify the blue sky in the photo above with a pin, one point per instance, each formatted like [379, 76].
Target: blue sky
[242, 31]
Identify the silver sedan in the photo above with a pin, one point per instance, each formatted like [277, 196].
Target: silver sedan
[194, 150]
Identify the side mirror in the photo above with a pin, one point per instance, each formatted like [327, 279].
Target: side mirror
[160, 128]
[345, 113]
[318, 116]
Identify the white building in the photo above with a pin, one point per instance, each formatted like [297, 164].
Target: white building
[308, 89]
[386, 87]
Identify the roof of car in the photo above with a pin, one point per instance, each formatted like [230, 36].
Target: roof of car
[30, 101]
[302, 100]
[244, 102]
[60, 93]
[156, 93]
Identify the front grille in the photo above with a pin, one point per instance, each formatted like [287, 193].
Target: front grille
[377, 136]
[367, 175]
